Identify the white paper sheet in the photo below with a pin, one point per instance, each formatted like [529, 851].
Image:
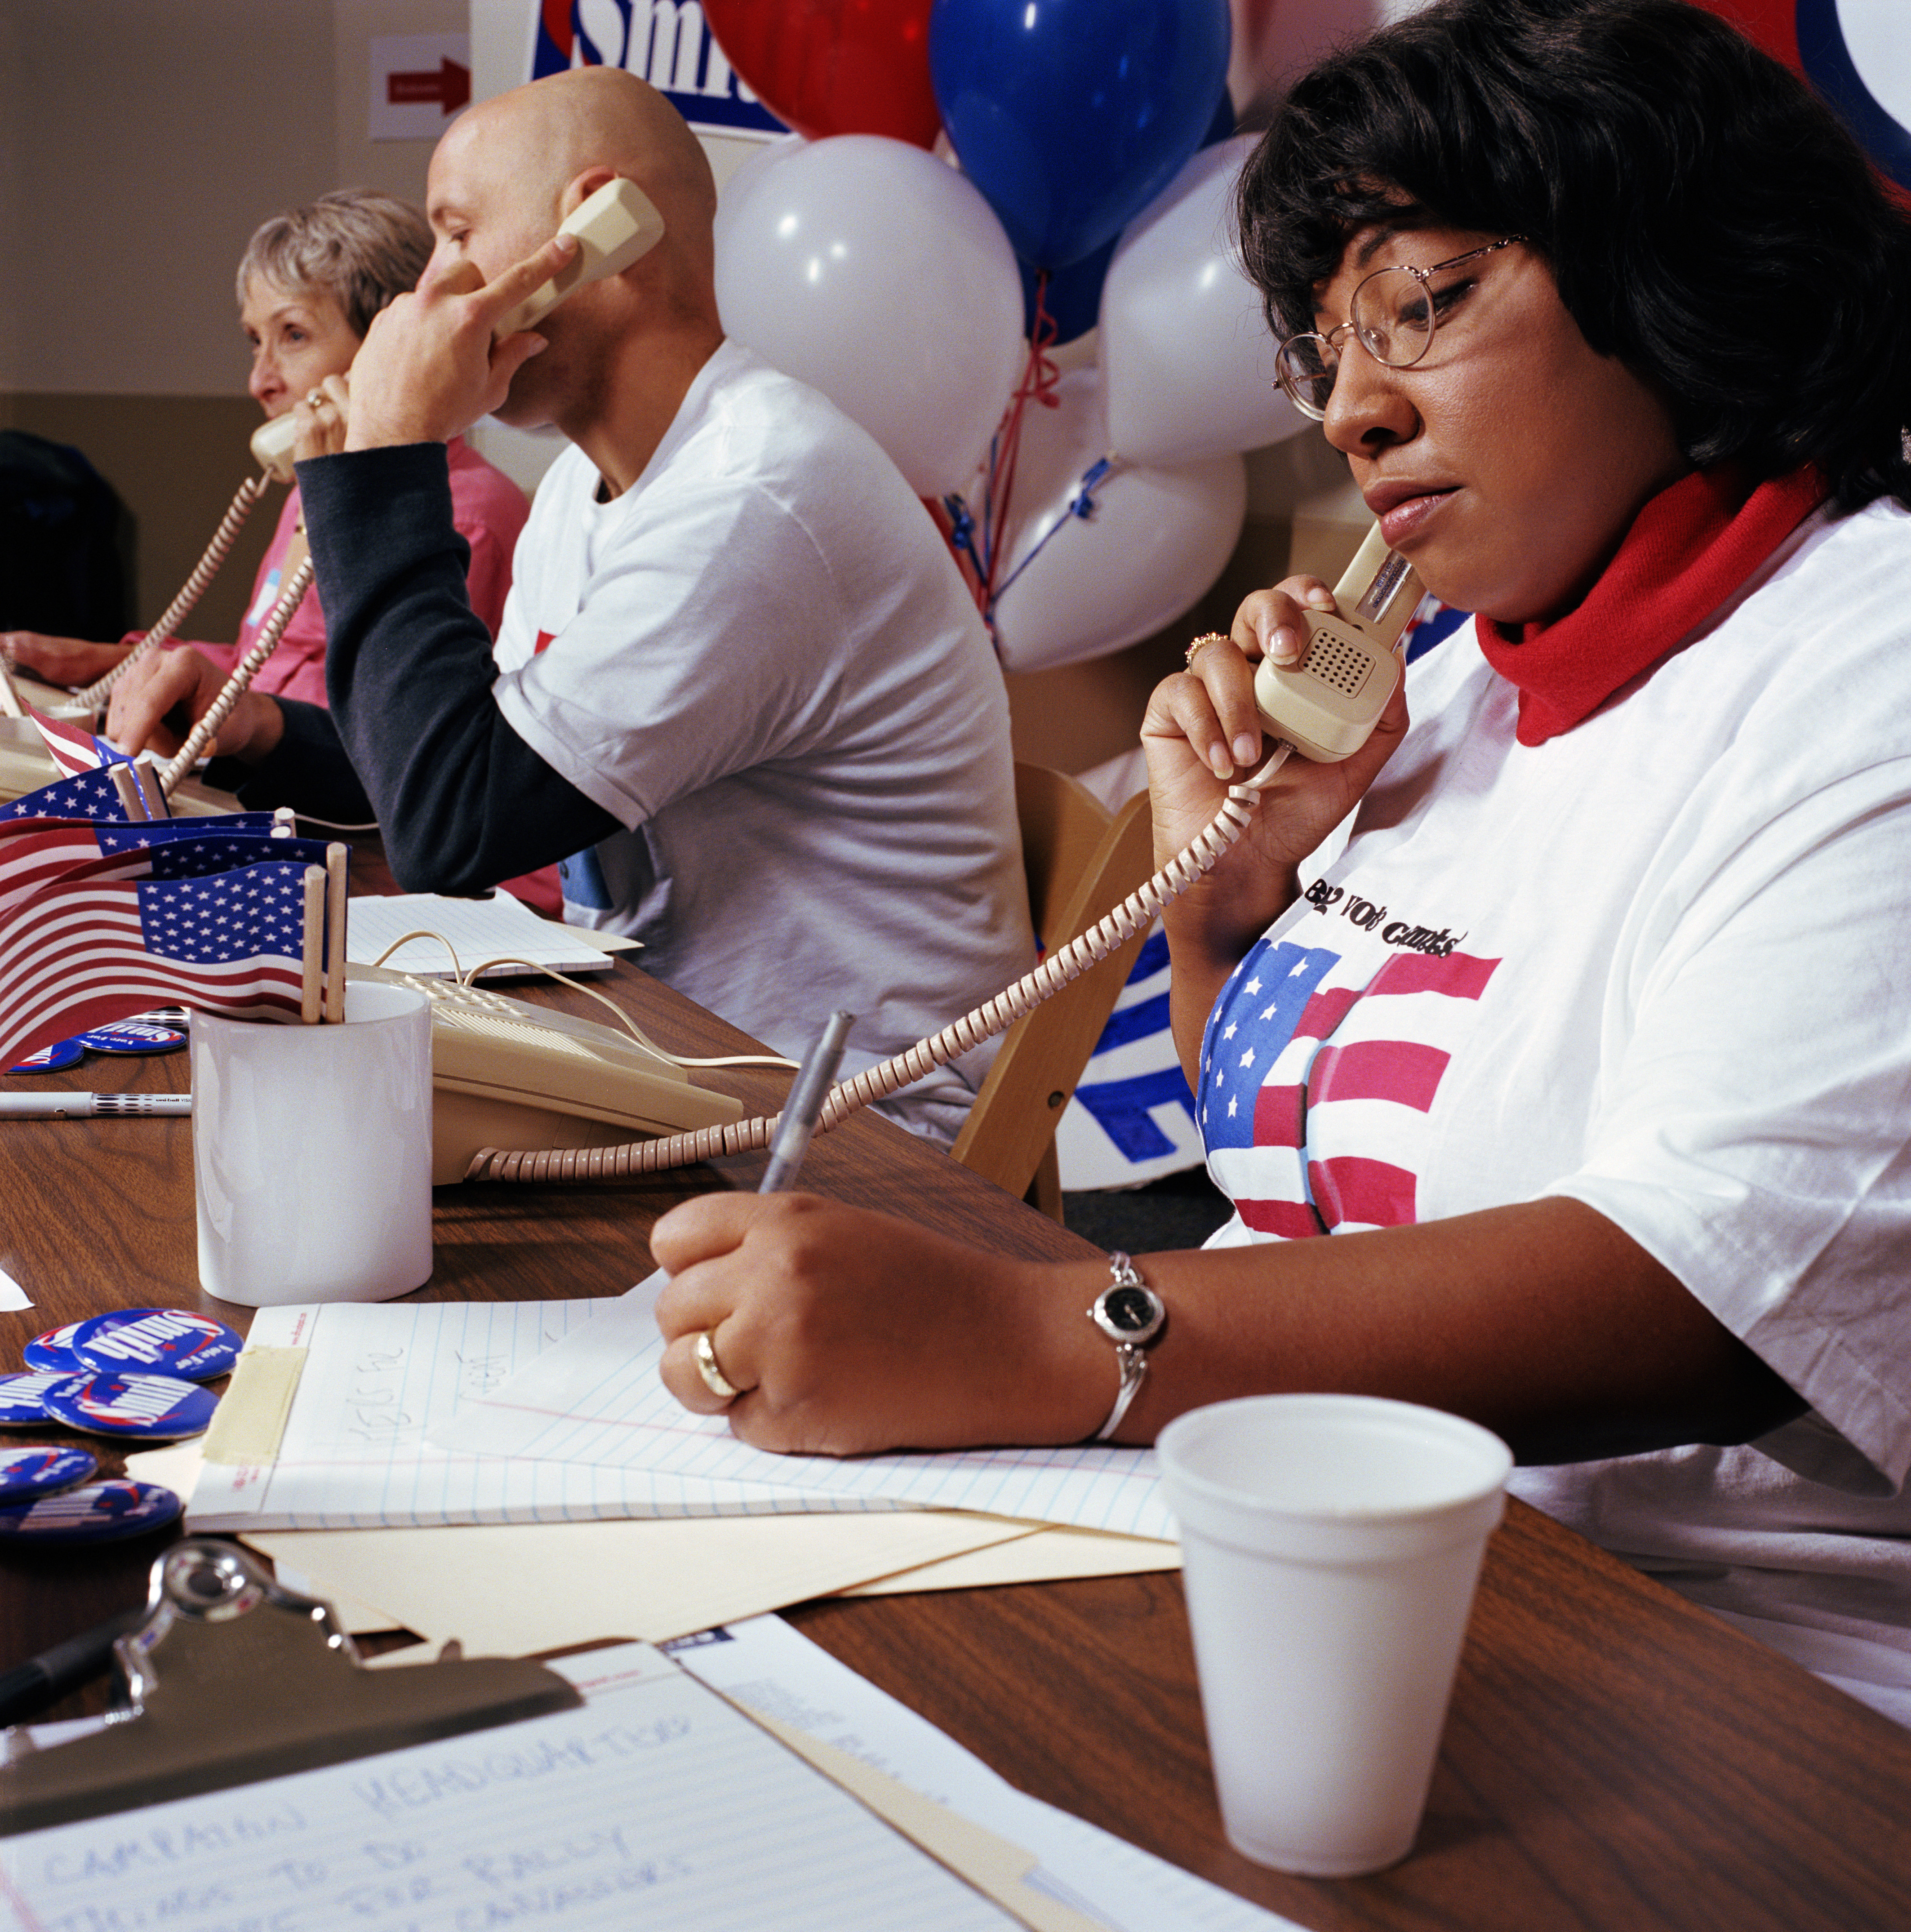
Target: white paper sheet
[12, 1295]
[378, 1377]
[773, 1669]
[498, 927]
[654, 1804]
[595, 1399]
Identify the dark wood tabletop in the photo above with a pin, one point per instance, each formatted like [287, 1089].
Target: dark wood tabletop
[1614, 1759]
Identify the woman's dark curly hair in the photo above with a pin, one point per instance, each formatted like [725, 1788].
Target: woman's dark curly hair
[1708, 221]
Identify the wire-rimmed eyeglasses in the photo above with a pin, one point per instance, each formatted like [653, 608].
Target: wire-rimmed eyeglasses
[1393, 315]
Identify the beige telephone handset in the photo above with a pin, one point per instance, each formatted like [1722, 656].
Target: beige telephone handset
[614, 227]
[1327, 705]
[510, 1075]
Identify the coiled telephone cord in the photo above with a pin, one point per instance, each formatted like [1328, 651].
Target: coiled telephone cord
[243, 672]
[1202, 854]
[244, 498]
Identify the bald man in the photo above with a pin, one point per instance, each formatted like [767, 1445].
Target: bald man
[739, 691]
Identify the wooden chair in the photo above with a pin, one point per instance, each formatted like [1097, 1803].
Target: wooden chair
[1081, 862]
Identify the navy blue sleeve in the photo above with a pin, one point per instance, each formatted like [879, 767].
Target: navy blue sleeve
[308, 770]
[461, 800]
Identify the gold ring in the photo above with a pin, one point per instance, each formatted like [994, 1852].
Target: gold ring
[1200, 644]
[715, 1380]
[315, 401]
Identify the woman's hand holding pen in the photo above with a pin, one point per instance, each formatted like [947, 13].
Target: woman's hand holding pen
[848, 1332]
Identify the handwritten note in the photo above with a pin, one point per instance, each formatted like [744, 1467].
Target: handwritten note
[659, 1805]
[595, 1398]
[378, 1379]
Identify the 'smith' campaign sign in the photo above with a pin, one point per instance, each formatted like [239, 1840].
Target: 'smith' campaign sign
[667, 43]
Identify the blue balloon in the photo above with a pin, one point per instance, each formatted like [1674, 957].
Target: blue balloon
[1071, 115]
[1073, 299]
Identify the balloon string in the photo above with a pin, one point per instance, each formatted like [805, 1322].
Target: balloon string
[977, 543]
[1041, 378]
[1082, 505]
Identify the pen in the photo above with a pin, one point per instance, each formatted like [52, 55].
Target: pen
[45, 1679]
[804, 1108]
[77, 1106]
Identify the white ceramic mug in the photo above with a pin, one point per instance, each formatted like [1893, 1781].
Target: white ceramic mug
[1329, 1545]
[312, 1152]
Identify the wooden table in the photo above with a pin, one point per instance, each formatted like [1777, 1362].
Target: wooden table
[1615, 1758]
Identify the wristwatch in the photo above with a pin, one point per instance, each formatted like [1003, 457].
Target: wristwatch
[1132, 1315]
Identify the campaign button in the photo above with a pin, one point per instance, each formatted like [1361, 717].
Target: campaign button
[100, 1513]
[53, 1349]
[134, 1036]
[54, 1059]
[160, 1408]
[23, 1398]
[164, 1341]
[32, 1472]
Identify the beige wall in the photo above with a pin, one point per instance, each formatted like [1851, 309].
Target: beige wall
[145, 140]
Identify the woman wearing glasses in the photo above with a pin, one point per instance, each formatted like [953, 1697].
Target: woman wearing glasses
[1591, 1050]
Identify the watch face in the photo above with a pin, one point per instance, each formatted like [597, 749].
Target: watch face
[1130, 1313]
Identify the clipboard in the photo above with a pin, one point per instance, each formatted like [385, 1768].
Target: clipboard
[233, 1679]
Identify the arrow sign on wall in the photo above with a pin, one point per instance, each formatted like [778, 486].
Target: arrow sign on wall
[450, 87]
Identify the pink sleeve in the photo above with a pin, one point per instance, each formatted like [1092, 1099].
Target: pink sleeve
[489, 510]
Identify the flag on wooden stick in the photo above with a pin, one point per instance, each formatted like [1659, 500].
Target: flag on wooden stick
[80, 953]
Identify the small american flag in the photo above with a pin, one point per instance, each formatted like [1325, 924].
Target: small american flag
[89, 795]
[81, 953]
[34, 852]
[74, 748]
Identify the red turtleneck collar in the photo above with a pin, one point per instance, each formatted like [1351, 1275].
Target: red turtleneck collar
[1688, 549]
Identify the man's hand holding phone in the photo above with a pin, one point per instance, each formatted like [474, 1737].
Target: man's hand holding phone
[430, 368]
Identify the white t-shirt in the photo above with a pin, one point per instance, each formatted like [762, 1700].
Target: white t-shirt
[761, 659]
[1658, 965]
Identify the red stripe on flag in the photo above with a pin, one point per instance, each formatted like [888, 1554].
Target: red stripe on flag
[1291, 1220]
[1324, 1011]
[70, 748]
[1405, 1071]
[1460, 976]
[1278, 1116]
[1350, 1187]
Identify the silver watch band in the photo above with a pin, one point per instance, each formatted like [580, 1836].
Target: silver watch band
[1134, 1372]
[1132, 1356]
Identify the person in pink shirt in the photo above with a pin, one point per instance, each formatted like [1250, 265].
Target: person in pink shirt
[308, 285]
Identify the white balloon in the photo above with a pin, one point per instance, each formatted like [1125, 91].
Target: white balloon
[879, 275]
[763, 156]
[1186, 352]
[1156, 539]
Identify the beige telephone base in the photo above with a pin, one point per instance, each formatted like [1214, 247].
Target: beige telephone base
[1327, 705]
[614, 227]
[25, 765]
[510, 1075]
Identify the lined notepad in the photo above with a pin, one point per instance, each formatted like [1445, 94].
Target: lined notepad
[595, 1399]
[375, 1380]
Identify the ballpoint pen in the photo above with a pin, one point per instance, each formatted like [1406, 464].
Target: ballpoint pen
[79, 1106]
[804, 1108]
[44, 1680]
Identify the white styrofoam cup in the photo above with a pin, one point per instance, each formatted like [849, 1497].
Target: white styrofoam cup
[1329, 1545]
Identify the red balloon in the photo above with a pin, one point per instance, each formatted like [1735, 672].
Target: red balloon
[834, 67]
